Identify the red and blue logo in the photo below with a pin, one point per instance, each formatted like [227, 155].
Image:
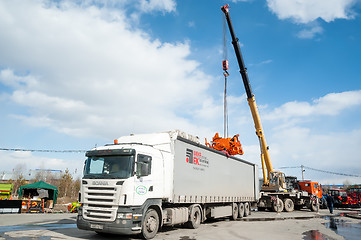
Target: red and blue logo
[193, 157]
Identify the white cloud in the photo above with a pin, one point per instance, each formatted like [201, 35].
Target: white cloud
[31, 162]
[332, 151]
[305, 11]
[297, 137]
[330, 105]
[89, 73]
[158, 5]
[268, 61]
[310, 32]
[7, 77]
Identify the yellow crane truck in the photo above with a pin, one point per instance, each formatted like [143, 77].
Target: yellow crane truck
[278, 192]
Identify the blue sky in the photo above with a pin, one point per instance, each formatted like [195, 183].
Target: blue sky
[75, 74]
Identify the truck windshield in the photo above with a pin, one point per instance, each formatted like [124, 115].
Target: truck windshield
[109, 167]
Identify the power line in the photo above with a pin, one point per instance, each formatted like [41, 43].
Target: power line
[324, 171]
[41, 150]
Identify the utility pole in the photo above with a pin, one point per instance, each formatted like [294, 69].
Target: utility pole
[303, 170]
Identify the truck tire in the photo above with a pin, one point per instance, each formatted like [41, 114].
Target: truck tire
[314, 206]
[234, 211]
[289, 205]
[240, 210]
[247, 209]
[279, 206]
[194, 218]
[323, 203]
[150, 224]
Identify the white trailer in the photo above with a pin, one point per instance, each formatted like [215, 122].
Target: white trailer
[143, 182]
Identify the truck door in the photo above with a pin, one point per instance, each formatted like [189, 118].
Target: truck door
[148, 178]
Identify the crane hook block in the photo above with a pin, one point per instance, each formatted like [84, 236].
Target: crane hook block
[225, 65]
[231, 146]
[225, 8]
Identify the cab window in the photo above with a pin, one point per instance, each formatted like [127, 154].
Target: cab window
[144, 165]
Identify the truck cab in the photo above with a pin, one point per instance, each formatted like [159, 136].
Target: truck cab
[119, 183]
[312, 188]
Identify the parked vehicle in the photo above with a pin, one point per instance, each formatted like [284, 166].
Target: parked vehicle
[6, 190]
[340, 197]
[354, 193]
[143, 182]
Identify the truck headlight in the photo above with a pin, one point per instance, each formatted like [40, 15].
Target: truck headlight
[125, 215]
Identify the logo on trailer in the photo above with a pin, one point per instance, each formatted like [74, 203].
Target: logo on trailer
[192, 157]
[199, 161]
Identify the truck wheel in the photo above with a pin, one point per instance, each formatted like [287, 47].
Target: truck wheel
[150, 224]
[278, 206]
[241, 210]
[234, 211]
[247, 210]
[314, 206]
[289, 205]
[194, 218]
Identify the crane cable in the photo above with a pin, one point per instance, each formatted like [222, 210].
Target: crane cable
[226, 74]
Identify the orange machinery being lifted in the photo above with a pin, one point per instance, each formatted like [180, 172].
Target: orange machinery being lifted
[231, 146]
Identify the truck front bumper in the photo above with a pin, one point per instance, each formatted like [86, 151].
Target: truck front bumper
[119, 226]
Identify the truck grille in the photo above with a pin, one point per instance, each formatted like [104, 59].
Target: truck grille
[100, 203]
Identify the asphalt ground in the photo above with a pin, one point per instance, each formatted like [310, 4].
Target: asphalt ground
[343, 224]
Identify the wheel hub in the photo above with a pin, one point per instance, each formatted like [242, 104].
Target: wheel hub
[151, 224]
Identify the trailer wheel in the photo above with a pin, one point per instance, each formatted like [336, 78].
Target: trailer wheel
[241, 210]
[278, 206]
[247, 209]
[289, 205]
[150, 224]
[194, 218]
[234, 211]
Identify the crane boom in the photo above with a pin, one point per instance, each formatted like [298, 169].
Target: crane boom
[265, 157]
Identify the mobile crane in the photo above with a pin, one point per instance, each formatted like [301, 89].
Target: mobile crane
[278, 191]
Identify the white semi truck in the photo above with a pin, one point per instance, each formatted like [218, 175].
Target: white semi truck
[143, 182]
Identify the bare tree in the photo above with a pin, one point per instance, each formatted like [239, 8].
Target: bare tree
[65, 184]
[346, 184]
[18, 178]
[75, 189]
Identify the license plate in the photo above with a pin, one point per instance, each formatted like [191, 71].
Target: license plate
[96, 226]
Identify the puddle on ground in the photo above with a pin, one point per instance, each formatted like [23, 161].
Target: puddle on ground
[186, 238]
[36, 227]
[28, 238]
[268, 219]
[350, 231]
[315, 235]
